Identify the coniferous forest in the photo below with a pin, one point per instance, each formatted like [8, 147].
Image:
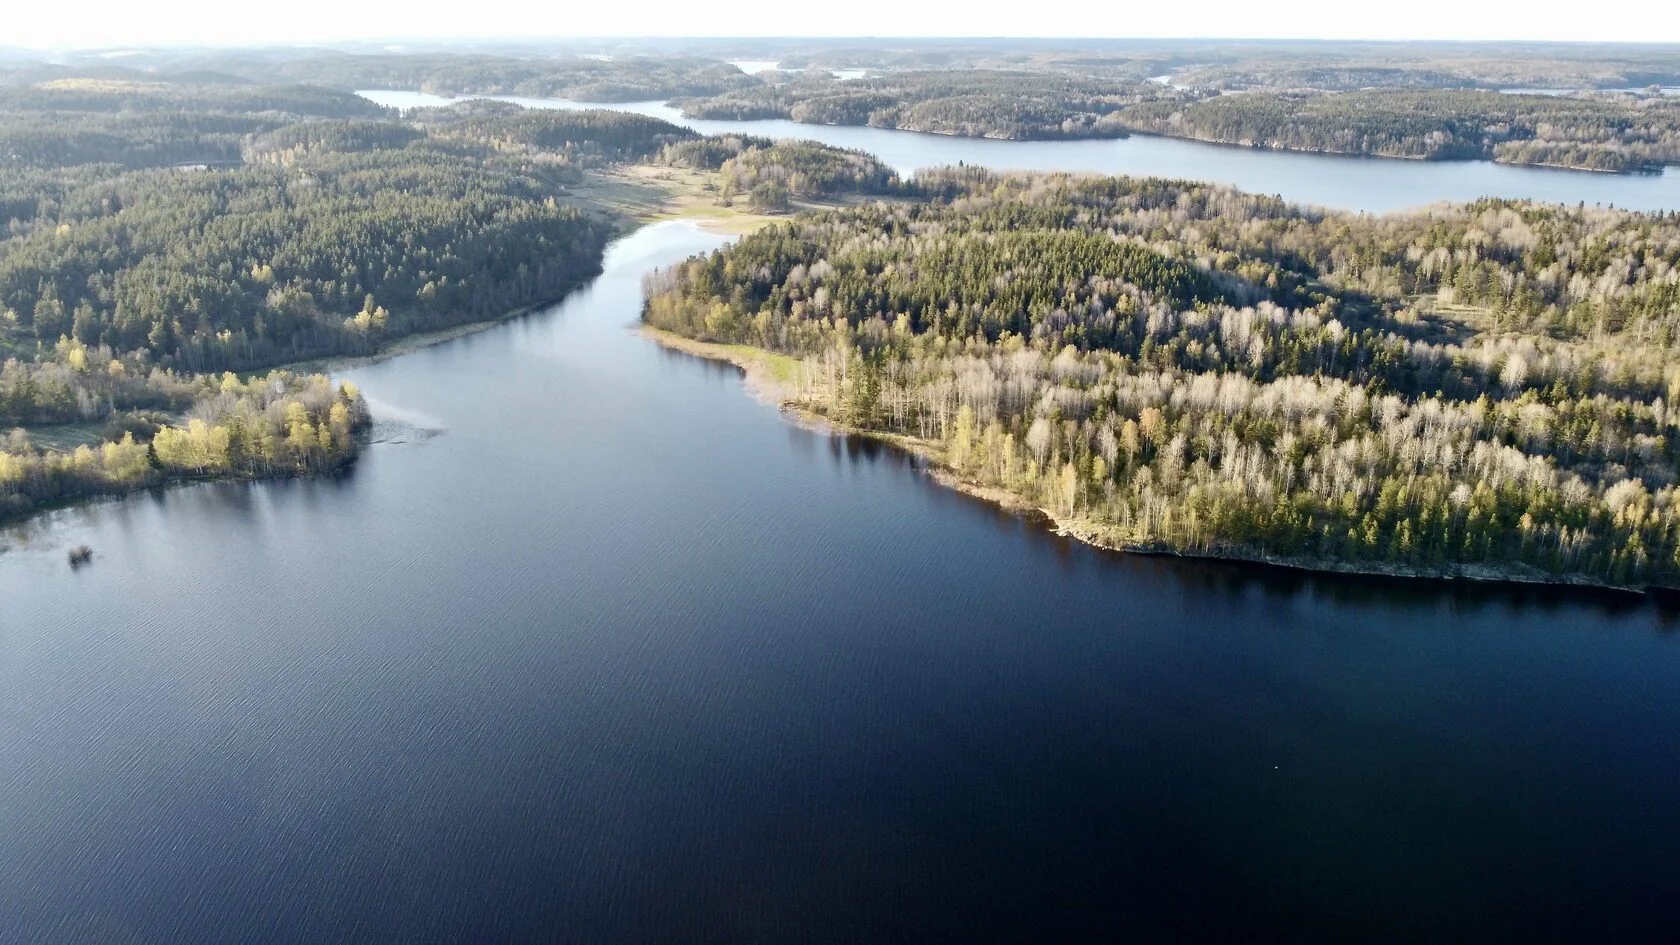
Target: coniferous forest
[1176, 366]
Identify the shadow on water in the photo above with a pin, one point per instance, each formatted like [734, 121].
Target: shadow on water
[1236, 580]
[711, 367]
[232, 500]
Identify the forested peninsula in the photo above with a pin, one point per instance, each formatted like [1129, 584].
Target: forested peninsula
[162, 234]
[1478, 391]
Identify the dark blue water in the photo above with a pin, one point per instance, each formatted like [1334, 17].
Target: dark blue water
[1375, 185]
[592, 647]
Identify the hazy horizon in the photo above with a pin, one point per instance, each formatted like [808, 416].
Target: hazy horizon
[106, 24]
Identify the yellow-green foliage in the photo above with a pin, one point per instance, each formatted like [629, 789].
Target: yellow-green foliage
[1185, 367]
[281, 424]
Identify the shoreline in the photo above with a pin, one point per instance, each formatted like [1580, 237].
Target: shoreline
[12, 525]
[408, 344]
[1418, 158]
[766, 387]
[677, 203]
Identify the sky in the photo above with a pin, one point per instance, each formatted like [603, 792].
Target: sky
[121, 23]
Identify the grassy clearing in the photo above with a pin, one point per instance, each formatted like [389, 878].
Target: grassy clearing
[649, 193]
[65, 437]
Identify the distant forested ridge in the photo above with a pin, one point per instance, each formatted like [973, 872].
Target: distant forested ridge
[153, 123]
[981, 103]
[1426, 101]
[581, 78]
[1598, 133]
[1480, 390]
[1240, 65]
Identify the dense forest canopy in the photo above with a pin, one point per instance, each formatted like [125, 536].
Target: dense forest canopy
[150, 123]
[331, 229]
[238, 269]
[1175, 365]
[772, 173]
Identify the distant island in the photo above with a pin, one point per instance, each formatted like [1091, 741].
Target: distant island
[1419, 102]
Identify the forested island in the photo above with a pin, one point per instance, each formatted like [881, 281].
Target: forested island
[772, 174]
[1161, 365]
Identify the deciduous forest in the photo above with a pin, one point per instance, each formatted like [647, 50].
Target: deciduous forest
[1178, 366]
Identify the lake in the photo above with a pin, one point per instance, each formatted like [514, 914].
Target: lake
[593, 647]
[1373, 185]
